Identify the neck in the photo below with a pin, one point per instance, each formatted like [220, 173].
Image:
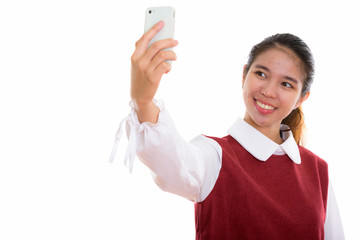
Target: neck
[272, 132]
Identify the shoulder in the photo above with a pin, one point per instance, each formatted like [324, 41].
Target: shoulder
[224, 142]
[308, 156]
[229, 145]
[311, 162]
[224, 139]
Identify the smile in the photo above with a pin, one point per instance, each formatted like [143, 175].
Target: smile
[264, 106]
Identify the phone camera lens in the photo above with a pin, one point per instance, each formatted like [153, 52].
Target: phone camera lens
[150, 11]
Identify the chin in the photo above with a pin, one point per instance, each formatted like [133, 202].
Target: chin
[263, 121]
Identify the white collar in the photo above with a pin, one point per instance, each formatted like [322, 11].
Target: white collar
[260, 146]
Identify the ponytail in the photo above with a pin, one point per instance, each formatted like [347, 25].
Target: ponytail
[296, 123]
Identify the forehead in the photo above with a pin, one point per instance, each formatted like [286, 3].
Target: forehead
[281, 61]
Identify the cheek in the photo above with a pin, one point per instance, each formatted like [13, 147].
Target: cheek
[250, 89]
[289, 101]
[246, 91]
[248, 85]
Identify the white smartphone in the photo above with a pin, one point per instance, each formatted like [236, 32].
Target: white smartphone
[153, 15]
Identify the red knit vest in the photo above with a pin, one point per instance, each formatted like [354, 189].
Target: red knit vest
[276, 199]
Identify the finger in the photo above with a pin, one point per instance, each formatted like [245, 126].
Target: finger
[161, 69]
[161, 57]
[156, 47]
[143, 43]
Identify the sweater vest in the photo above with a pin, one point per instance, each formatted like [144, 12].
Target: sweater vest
[276, 199]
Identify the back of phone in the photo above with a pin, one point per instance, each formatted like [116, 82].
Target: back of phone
[153, 15]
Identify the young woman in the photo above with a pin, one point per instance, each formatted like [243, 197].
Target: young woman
[258, 182]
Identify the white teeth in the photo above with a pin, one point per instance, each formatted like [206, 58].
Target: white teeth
[264, 106]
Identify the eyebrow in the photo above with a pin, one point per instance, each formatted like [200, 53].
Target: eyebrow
[268, 70]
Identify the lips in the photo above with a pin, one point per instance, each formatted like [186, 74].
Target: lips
[263, 107]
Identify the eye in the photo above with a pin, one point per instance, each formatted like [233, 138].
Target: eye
[286, 84]
[260, 74]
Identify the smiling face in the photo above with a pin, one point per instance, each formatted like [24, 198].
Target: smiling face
[272, 89]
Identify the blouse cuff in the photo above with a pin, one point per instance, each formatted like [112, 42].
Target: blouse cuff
[133, 126]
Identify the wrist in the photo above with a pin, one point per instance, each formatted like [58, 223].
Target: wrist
[146, 111]
[142, 104]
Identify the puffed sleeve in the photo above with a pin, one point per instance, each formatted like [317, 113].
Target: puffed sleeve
[188, 169]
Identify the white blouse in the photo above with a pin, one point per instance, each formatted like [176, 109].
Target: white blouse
[190, 169]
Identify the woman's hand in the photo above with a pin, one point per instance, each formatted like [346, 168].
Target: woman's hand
[148, 65]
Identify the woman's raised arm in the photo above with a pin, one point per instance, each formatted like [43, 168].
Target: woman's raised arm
[148, 65]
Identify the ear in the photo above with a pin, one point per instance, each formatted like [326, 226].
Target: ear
[244, 75]
[302, 99]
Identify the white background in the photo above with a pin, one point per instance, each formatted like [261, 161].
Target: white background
[64, 87]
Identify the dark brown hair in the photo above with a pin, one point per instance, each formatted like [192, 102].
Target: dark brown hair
[295, 120]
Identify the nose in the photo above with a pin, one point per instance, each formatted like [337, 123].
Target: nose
[269, 89]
